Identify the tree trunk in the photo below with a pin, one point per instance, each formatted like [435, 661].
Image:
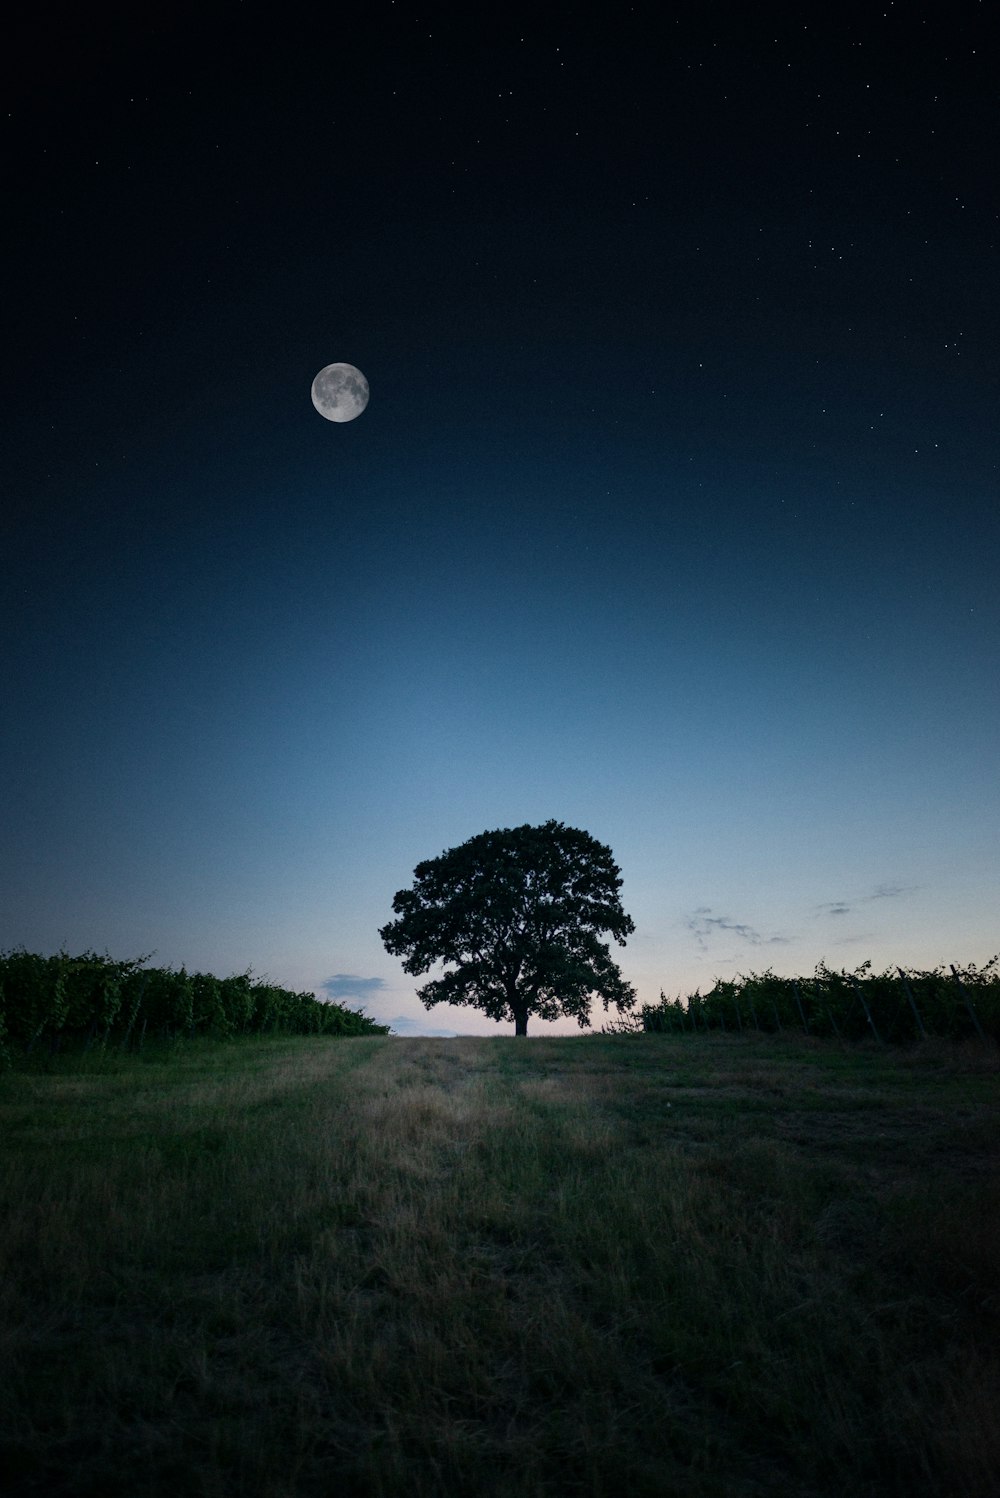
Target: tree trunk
[520, 1021]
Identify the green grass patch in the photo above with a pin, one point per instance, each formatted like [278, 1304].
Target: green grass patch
[710, 1265]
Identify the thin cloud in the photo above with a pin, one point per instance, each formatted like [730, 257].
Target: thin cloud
[880, 892]
[404, 1025]
[350, 986]
[853, 941]
[890, 891]
[703, 925]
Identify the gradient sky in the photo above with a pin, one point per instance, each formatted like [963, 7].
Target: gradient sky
[673, 515]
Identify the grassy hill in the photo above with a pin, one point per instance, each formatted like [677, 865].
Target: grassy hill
[703, 1265]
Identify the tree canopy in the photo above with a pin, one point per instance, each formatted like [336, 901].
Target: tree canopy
[517, 915]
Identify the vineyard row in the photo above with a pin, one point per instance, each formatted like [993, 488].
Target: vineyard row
[892, 1007]
[94, 1000]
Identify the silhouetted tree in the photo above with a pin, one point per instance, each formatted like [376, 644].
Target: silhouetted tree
[518, 914]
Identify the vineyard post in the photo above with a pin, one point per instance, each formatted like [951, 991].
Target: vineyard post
[968, 1002]
[802, 1013]
[137, 1005]
[913, 1003]
[777, 1016]
[868, 1014]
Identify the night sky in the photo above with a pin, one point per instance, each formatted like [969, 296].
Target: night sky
[673, 515]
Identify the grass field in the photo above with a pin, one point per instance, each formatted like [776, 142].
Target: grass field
[651, 1265]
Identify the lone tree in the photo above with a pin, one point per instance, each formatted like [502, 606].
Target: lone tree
[518, 912]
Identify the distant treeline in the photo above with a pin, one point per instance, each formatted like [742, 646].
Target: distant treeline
[92, 1000]
[892, 1006]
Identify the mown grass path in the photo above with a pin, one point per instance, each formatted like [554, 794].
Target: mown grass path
[701, 1265]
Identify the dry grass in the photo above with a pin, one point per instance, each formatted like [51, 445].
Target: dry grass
[710, 1266]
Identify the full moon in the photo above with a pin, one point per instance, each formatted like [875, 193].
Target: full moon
[340, 392]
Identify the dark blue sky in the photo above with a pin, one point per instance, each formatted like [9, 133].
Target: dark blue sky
[673, 514]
